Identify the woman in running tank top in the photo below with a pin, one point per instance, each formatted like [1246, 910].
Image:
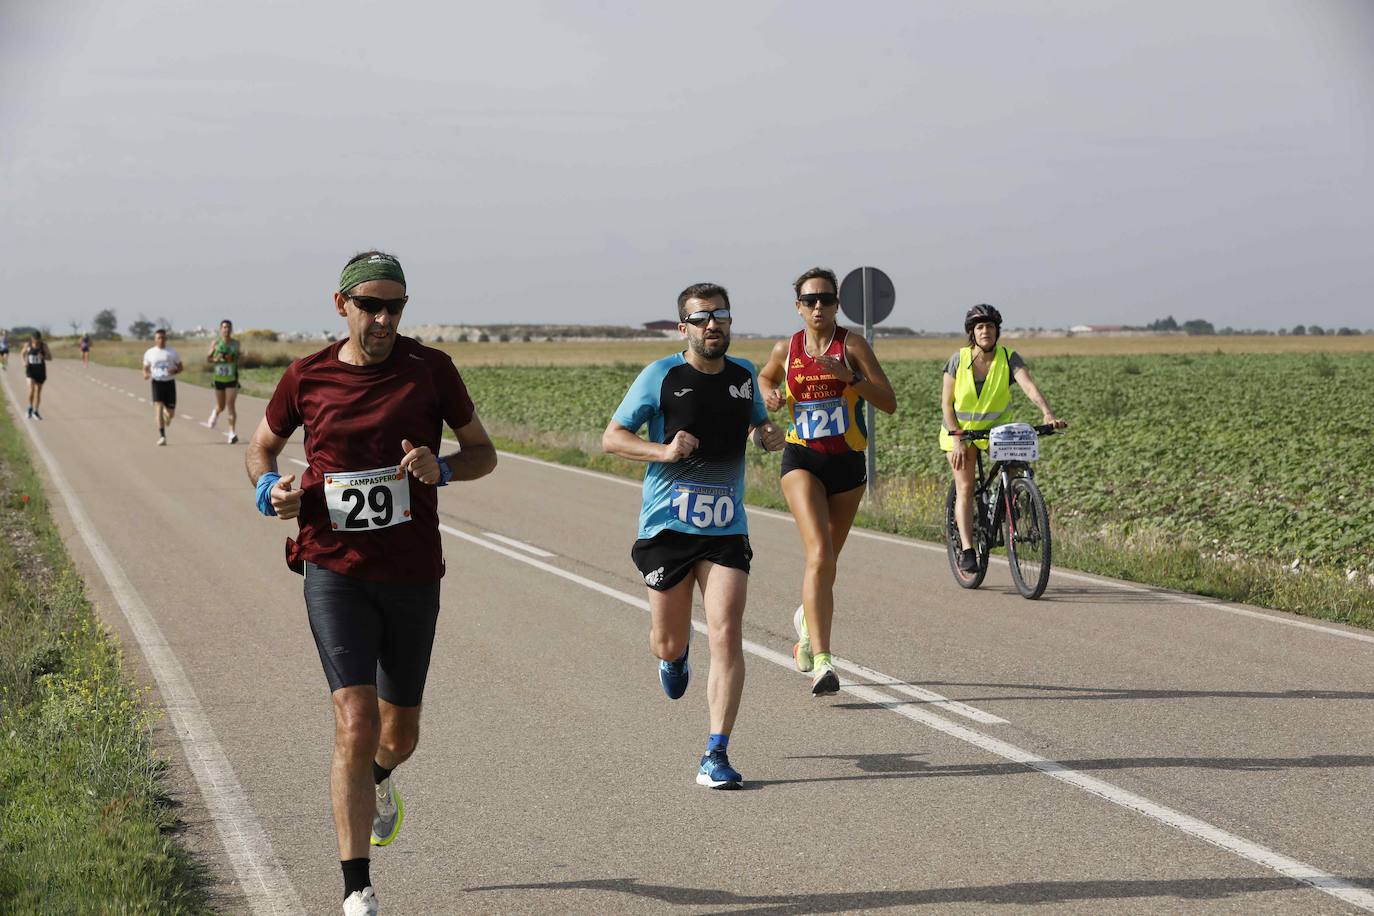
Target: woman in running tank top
[823, 375]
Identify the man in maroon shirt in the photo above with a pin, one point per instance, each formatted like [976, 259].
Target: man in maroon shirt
[373, 407]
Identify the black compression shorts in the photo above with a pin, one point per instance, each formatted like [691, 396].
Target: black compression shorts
[668, 557]
[838, 472]
[165, 393]
[374, 633]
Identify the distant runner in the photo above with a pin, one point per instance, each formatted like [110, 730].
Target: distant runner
[224, 376]
[161, 364]
[701, 407]
[4, 349]
[823, 375]
[85, 349]
[976, 392]
[35, 356]
[373, 407]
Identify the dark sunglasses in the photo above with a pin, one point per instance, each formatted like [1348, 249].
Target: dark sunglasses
[703, 318]
[826, 299]
[373, 305]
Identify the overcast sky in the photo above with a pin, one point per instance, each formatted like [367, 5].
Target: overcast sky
[1094, 161]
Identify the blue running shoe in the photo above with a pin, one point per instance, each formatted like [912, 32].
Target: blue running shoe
[716, 772]
[674, 675]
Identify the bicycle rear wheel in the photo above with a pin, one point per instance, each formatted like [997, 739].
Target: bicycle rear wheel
[954, 547]
[1027, 531]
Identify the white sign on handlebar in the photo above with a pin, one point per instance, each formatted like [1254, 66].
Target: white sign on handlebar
[1013, 442]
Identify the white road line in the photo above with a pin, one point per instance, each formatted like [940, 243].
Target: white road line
[264, 882]
[518, 545]
[920, 693]
[1175, 597]
[1326, 882]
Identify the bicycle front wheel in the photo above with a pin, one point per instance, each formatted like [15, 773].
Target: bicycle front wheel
[954, 547]
[1027, 529]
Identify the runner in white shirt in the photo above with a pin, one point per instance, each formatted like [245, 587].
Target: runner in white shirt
[160, 364]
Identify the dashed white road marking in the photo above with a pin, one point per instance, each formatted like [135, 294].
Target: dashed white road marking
[519, 545]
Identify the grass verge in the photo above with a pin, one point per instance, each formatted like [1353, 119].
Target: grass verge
[85, 823]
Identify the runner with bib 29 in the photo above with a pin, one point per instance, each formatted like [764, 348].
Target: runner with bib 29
[823, 375]
[700, 407]
[373, 406]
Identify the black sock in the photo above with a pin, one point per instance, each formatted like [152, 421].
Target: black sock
[379, 774]
[162, 431]
[355, 875]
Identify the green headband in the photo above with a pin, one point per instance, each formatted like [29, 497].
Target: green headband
[372, 267]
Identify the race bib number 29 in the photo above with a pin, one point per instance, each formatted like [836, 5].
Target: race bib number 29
[367, 500]
[703, 505]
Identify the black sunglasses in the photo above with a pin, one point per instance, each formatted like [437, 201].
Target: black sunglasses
[373, 305]
[826, 299]
[703, 318]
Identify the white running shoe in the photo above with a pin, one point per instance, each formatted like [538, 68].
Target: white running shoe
[824, 682]
[361, 903]
[210, 423]
[233, 437]
[161, 440]
[801, 650]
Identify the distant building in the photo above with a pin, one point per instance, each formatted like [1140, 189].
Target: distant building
[660, 325]
[1097, 329]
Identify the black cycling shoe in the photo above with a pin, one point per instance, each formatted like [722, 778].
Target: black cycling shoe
[968, 561]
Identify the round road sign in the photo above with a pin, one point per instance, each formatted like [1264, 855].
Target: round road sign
[882, 294]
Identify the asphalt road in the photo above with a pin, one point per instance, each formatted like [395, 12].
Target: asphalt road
[1105, 749]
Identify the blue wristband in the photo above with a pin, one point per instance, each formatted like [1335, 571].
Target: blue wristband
[265, 484]
[445, 473]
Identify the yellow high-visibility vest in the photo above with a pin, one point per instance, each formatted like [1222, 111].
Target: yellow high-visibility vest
[979, 411]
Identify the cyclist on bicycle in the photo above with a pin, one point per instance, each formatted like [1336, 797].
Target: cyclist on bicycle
[977, 392]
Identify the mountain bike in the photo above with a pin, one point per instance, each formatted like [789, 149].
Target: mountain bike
[1008, 510]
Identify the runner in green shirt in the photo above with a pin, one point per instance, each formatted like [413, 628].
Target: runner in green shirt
[224, 374]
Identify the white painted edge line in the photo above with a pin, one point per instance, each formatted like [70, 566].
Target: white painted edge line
[519, 545]
[1326, 882]
[264, 882]
[1162, 595]
[920, 693]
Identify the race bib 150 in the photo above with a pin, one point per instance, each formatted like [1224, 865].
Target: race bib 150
[703, 505]
[367, 500]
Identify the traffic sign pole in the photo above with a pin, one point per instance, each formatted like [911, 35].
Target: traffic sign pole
[871, 457]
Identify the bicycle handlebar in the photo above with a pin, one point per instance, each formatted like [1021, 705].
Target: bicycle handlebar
[1044, 429]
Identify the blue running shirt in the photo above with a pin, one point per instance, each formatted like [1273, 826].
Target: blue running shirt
[703, 494]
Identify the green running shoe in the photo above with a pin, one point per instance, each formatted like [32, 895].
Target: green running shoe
[390, 812]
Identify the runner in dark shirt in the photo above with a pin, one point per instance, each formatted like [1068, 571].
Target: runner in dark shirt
[373, 407]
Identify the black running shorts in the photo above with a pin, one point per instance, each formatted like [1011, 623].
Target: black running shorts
[221, 386]
[668, 557]
[376, 633]
[38, 372]
[165, 393]
[837, 472]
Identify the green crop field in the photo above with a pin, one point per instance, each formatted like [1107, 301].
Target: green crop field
[1260, 456]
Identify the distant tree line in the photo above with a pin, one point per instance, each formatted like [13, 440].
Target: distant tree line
[1199, 327]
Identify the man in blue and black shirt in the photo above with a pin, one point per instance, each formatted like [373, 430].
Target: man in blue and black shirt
[701, 407]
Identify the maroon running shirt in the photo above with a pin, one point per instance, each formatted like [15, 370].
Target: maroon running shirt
[355, 418]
